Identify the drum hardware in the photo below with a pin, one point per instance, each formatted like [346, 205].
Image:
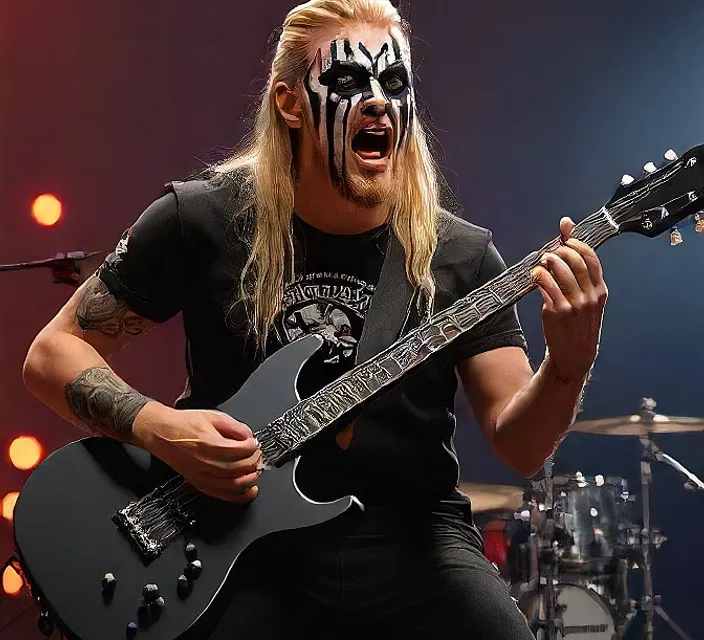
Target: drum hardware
[552, 620]
[639, 540]
[650, 604]
[568, 543]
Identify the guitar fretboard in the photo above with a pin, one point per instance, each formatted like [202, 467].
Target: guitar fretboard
[280, 440]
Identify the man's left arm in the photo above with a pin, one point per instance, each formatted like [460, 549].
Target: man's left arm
[524, 414]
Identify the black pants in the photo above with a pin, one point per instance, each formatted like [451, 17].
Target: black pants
[374, 575]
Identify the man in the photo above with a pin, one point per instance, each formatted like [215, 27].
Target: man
[329, 222]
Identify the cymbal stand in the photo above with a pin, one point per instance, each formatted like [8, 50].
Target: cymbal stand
[548, 560]
[651, 603]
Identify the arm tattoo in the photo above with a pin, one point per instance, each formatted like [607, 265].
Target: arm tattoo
[104, 404]
[98, 310]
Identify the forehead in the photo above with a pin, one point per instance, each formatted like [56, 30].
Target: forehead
[360, 36]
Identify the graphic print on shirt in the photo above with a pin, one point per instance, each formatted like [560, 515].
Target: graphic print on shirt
[332, 305]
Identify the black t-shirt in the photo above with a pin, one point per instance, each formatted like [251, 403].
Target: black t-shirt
[335, 279]
[186, 253]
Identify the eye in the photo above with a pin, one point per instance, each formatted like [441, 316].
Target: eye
[395, 84]
[345, 83]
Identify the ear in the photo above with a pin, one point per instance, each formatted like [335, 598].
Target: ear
[288, 101]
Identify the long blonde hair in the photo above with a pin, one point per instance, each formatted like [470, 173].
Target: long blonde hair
[267, 158]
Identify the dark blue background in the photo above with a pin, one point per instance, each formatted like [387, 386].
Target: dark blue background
[539, 108]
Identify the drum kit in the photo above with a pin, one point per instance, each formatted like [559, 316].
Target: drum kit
[565, 545]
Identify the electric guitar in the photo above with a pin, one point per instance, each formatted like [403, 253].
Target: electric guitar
[113, 549]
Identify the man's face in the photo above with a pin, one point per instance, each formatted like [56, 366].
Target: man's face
[360, 97]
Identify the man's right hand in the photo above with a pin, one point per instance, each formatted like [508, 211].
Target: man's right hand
[213, 452]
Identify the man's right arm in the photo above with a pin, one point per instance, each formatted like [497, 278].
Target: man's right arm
[66, 365]
[66, 368]
[140, 285]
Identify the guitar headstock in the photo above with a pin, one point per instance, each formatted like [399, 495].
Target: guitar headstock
[663, 197]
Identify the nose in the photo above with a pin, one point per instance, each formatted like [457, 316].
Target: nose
[375, 102]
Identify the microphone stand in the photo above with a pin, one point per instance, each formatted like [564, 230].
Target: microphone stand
[72, 268]
[651, 603]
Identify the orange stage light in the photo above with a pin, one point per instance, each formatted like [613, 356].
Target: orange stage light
[25, 452]
[11, 582]
[47, 209]
[8, 504]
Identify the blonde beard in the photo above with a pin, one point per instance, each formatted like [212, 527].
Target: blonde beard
[365, 192]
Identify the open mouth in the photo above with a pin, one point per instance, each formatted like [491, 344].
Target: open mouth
[372, 143]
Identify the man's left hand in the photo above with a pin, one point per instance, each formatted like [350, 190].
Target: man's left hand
[571, 281]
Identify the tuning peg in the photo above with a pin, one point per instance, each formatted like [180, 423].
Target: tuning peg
[650, 167]
[626, 180]
[670, 155]
[698, 223]
[675, 237]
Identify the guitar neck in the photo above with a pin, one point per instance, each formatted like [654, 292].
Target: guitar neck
[283, 437]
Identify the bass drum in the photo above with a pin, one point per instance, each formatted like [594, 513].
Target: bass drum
[584, 614]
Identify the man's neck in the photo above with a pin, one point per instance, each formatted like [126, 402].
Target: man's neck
[322, 206]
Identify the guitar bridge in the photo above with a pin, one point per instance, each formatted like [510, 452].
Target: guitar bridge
[152, 522]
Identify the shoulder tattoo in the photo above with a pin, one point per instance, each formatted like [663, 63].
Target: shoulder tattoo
[99, 310]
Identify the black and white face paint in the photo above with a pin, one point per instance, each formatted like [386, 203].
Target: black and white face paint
[348, 74]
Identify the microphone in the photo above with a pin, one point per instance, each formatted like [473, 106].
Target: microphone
[72, 268]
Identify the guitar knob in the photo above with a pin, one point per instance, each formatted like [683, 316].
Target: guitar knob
[184, 586]
[45, 625]
[150, 593]
[132, 630]
[191, 552]
[159, 603]
[193, 570]
[109, 583]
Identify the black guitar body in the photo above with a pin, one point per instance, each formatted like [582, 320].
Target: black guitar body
[64, 519]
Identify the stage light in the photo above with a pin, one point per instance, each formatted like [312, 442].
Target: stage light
[11, 582]
[46, 209]
[25, 452]
[8, 505]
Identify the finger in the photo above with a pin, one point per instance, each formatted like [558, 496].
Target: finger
[229, 427]
[225, 471]
[226, 451]
[566, 227]
[563, 276]
[590, 258]
[577, 265]
[245, 483]
[208, 477]
[548, 288]
[547, 300]
[234, 468]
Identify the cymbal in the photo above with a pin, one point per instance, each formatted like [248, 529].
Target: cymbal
[492, 497]
[636, 425]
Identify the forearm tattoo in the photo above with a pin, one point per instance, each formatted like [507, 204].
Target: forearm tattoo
[98, 310]
[103, 403]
